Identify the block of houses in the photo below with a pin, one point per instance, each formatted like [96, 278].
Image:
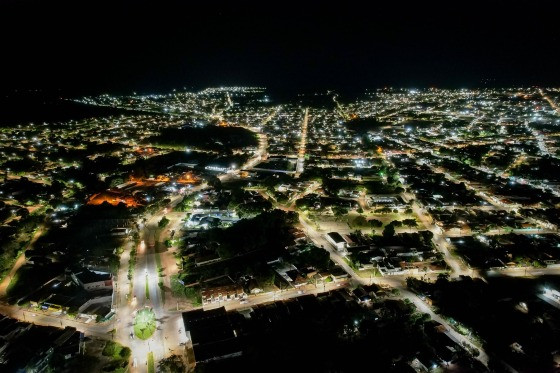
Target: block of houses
[222, 293]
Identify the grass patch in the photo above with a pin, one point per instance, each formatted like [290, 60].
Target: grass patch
[131, 264]
[27, 279]
[147, 288]
[158, 263]
[16, 278]
[193, 294]
[179, 290]
[116, 351]
[367, 273]
[160, 284]
[144, 323]
[151, 365]
[160, 277]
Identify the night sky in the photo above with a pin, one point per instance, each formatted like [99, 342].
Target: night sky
[100, 48]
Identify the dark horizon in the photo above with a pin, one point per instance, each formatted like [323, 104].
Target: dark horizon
[81, 49]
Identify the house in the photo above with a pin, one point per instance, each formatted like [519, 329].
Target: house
[253, 287]
[362, 295]
[93, 280]
[208, 257]
[119, 231]
[322, 276]
[100, 304]
[296, 279]
[335, 239]
[418, 366]
[338, 273]
[10, 328]
[309, 272]
[298, 234]
[68, 343]
[388, 268]
[38, 260]
[374, 290]
[212, 334]
[56, 302]
[395, 202]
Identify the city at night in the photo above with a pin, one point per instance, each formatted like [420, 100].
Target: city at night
[279, 187]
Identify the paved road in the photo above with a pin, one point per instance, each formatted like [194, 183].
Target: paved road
[303, 142]
[50, 319]
[254, 300]
[524, 272]
[147, 293]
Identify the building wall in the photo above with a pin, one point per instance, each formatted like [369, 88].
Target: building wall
[106, 299]
[338, 246]
[99, 285]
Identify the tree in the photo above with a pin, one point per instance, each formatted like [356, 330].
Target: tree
[22, 212]
[177, 288]
[214, 182]
[163, 222]
[427, 235]
[251, 209]
[396, 223]
[171, 364]
[384, 210]
[116, 181]
[389, 231]
[410, 222]
[360, 221]
[374, 223]
[339, 211]
[410, 282]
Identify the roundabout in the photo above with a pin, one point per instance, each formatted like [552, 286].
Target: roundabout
[144, 323]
